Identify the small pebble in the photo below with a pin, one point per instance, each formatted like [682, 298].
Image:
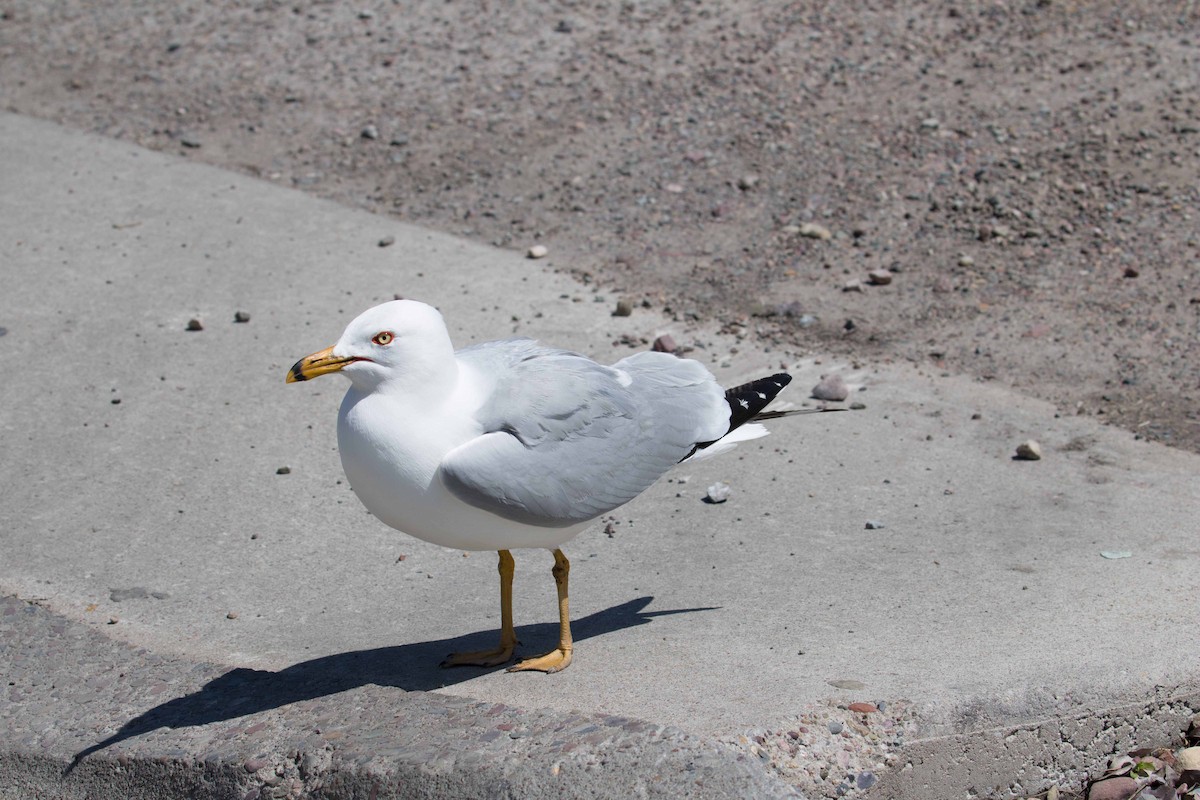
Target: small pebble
[232, 615]
[863, 708]
[874, 525]
[112, 620]
[370, 132]
[1131, 272]
[241, 316]
[832, 387]
[665, 344]
[879, 277]
[857, 406]
[865, 780]
[284, 471]
[538, 251]
[195, 325]
[717, 493]
[812, 230]
[624, 308]
[387, 241]
[255, 764]
[189, 140]
[1188, 758]
[966, 261]
[116, 401]
[835, 726]
[1121, 788]
[747, 182]
[854, 285]
[1029, 450]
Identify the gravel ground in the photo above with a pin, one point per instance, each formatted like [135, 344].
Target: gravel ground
[1027, 171]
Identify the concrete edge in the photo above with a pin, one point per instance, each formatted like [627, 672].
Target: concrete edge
[1064, 751]
[87, 717]
[152, 727]
[891, 748]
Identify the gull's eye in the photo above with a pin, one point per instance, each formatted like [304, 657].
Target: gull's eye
[383, 338]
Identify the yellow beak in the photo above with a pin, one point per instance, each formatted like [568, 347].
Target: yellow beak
[317, 364]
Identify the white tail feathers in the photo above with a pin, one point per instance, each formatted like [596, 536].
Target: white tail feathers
[729, 441]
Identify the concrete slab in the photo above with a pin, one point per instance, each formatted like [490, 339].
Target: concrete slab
[144, 502]
[316, 729]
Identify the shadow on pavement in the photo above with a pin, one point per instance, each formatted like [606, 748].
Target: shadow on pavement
[411, 667]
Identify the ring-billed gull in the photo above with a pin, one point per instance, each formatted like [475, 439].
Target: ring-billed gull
[511, 444]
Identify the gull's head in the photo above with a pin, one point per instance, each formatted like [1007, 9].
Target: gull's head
[400, 339]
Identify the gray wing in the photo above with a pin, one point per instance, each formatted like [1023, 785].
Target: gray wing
[566, 439]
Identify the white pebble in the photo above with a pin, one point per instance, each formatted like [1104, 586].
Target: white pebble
[718, 492]
[1188, 758]
[538, 251]
[814, 231]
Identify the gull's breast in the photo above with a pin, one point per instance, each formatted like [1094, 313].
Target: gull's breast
[391, 454]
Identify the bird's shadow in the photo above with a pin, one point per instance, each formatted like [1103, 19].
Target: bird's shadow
[412, 667]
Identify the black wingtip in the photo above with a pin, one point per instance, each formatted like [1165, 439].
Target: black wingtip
[747, 401]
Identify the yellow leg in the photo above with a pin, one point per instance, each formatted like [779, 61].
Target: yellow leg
[560, 658]
[508, 636]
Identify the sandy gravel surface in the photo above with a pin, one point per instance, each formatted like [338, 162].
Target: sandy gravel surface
[1028, 172]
